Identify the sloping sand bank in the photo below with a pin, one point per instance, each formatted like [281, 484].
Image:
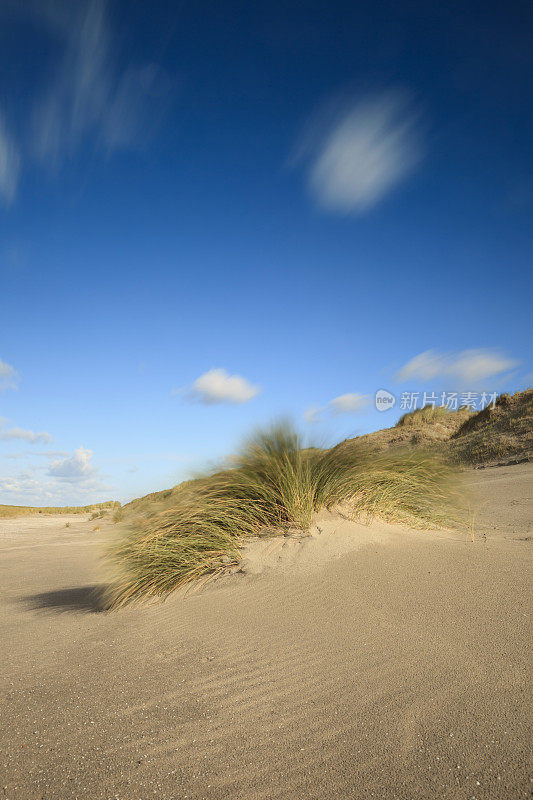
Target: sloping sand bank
[363, 663]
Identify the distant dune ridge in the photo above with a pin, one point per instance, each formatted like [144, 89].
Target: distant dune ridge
[7, 512]
[503, 433]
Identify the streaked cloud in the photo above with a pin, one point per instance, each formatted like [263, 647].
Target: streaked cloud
[218, 386]
[351, 403]
[20, 434]
[77, 468]
[356, 153]
[467, 366]
[91, 97]
[313, 414]
[89, 93]
[9, 377]
[34, 453]
[9, 164]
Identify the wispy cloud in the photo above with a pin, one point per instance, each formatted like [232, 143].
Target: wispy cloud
[33, 453]
[9, 164]
[467, 366]
[91, 98]
[23, 435]
[351, 403]
[357, 153]
[9, 377]
[77, 468]
[89, 93]
[313, 414]
[218, 386]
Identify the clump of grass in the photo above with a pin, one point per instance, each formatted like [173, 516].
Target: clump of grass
[272, 483]
[425, 415]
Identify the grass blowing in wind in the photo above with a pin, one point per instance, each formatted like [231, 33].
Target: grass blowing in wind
[274, 483]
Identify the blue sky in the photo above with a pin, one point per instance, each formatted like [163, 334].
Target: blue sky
[214, 214]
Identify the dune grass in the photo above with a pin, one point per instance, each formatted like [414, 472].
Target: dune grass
[10, 512]
[273, 484]
[430, 414]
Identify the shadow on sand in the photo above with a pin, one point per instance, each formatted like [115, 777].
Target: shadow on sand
[85, 599]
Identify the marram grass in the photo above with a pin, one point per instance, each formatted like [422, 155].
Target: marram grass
[273, 483]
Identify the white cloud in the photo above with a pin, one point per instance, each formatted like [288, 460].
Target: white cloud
[9, 377]
[21, 485]
[218, 386]
[351, 403]
[9, 165]
[313, 414]
[424, 366]
[467, 366]
[27, 489]
[24, 435]
[360, 153]
[75, 469]
[71, 479]
[477, 365]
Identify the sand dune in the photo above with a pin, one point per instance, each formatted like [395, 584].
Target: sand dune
[363, 662]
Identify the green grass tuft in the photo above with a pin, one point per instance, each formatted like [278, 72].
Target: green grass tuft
[273, 483]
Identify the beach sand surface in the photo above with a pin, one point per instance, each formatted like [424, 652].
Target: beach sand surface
[362, 662]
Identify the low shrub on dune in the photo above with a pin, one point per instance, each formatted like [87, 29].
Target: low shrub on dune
[273, 483]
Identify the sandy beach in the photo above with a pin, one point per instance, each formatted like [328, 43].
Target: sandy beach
[363, 662]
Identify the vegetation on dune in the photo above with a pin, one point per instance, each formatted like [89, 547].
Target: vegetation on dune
[502, 431]
[272, 485]
[149, 503]
[118, 515]
[7, 512]
[426, 428]
[432, 414]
